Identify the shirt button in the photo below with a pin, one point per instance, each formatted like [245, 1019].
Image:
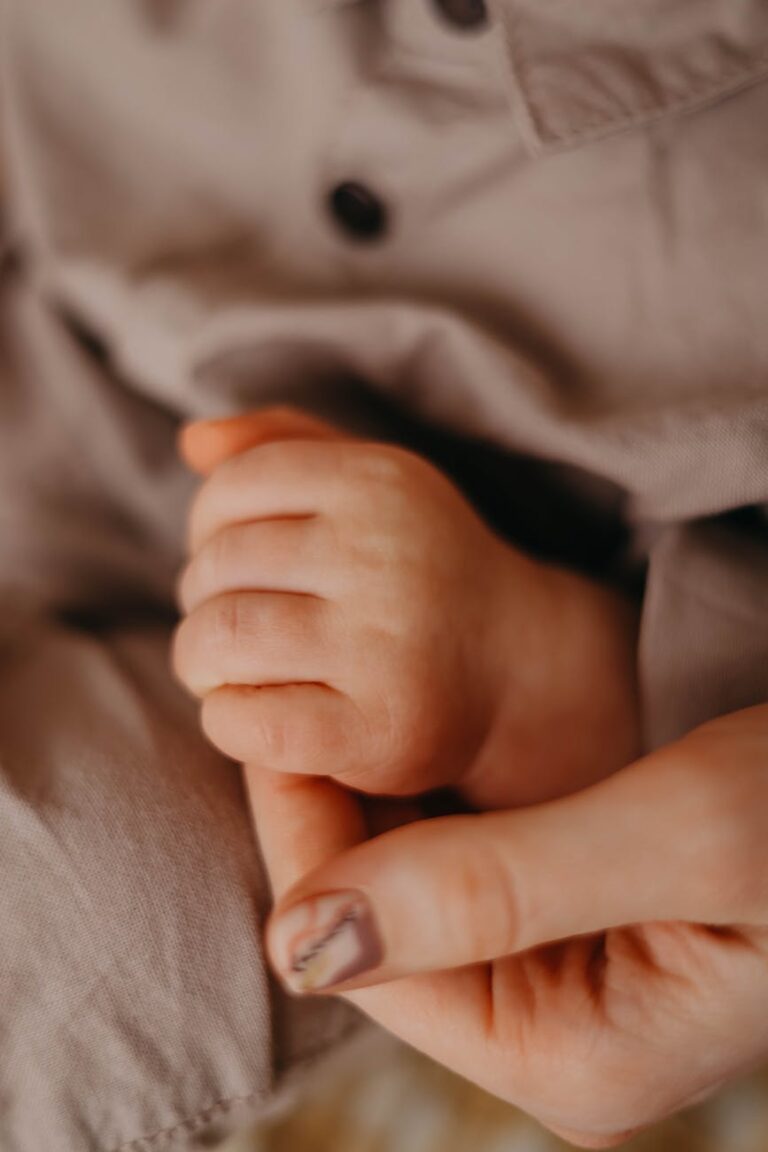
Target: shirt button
[358, 211]
[464, 13]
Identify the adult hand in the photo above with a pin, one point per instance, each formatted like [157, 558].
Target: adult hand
[609, 950]
[601, 960]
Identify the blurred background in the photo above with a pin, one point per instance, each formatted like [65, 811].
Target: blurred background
[382, 1097]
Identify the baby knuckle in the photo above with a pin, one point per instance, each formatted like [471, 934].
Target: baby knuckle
[300, 742]
[240, 621]
[227, 622]
[216, 557]
[380, 465]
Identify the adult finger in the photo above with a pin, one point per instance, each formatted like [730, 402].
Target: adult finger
[301, 822]
[677, 836]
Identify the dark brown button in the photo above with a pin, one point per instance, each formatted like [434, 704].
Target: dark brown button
[463, 13]
[358, 211]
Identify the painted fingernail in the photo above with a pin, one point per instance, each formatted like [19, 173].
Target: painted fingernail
[325, 941]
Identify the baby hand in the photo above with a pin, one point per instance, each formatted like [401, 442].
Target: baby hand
[348, 614]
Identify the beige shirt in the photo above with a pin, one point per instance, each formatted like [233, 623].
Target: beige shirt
[576, 196]
[556, 248]
[575, 261]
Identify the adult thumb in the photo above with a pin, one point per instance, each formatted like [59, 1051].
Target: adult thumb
[653, 843]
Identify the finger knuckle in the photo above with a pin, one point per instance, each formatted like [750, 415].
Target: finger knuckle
[380, 465]
[241, 726]
[727, 850]
[297, 742]
[217, 725]
[228, 625]
[483, 891]
[244, 620]
[219, 559]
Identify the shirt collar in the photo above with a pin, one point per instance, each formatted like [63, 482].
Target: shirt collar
[583, 69]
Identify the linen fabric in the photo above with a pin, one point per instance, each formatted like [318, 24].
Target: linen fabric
[566, 288]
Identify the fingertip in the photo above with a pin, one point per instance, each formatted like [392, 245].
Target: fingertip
[204, 444]
[184, 438]
[192, 446]
[326, 943]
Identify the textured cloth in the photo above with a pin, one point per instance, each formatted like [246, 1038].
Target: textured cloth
[135, 1009]
[571, 276]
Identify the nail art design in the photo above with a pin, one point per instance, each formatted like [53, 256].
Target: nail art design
[326, 941]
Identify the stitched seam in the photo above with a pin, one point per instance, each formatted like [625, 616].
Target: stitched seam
[521, 69]
[726, 84]
[142, 1143]
[739, 75]
[513, 74]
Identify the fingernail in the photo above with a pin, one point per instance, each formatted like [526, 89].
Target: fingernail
[325, 941]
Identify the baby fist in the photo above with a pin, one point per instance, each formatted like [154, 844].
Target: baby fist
[342, 612]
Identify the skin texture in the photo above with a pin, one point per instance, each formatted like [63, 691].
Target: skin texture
[348, 614]
[601, 959]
